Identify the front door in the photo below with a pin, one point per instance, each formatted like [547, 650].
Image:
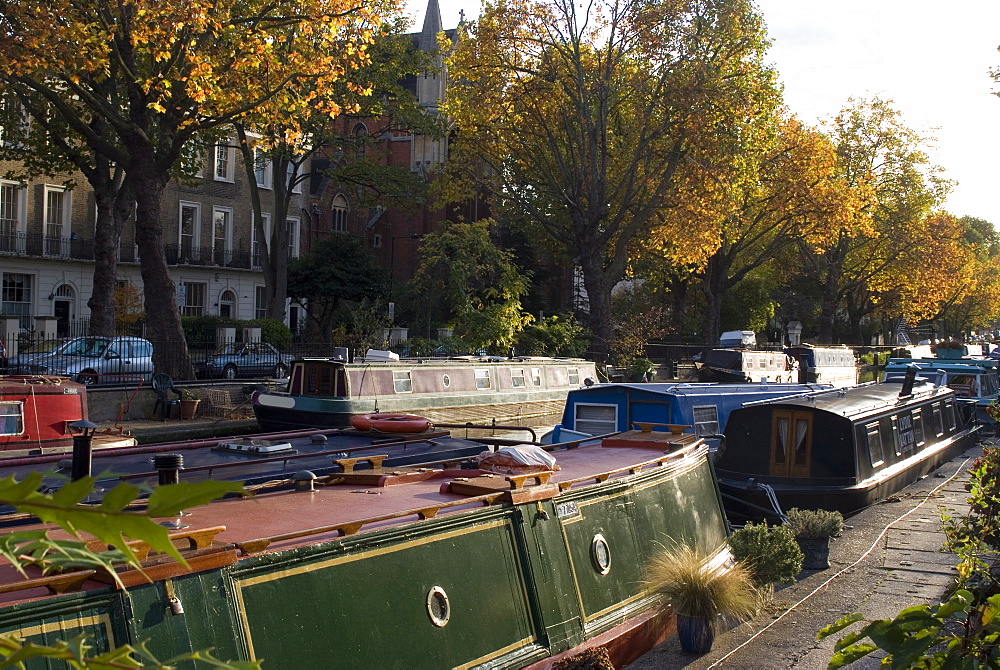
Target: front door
[61, 310]
[791, 443]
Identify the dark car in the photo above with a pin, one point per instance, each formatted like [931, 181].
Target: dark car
[249, 359]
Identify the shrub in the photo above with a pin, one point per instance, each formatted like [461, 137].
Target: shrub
[273, 332]
[770, 553]
[556, 335]
[815, 523]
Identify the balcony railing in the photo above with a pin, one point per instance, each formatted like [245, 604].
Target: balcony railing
[78, 248]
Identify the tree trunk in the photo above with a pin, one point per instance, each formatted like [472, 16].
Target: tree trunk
[102, 299]
[714, 285]
[831, 293]
[599, 298]
[170, 353]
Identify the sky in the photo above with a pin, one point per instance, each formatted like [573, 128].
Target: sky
[932, 59]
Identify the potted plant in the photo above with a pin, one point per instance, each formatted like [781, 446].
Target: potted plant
[700, 592]
[770, 553]
[813, 529]
[189, 404]
[641, 370]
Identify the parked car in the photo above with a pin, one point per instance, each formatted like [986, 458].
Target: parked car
[250, 359]
[98, 360]
[18, 364]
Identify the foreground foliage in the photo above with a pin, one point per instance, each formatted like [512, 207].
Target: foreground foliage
[114, 520]
[770, 553]
[963, 631]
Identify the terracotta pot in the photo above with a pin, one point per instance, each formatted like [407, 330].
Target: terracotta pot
[696, 634]
[817, 552]
[189, 408]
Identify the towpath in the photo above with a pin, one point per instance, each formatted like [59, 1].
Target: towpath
[887, 559]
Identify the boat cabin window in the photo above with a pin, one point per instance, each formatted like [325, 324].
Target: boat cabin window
[905, 432]
[791, 443]
[483, 380]
[965, 385]
[918, 428]
[574, 376]
[706, 420]
[517, 377]
[401, 382]
[988, 384]
[949, 413]
[536, 377]
[936, 423]
[875, 454]
[595, 419]
[11, 418]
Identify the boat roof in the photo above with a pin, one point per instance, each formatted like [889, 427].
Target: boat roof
[957, 364]
[858, 401]
[699, 389]
[437, 360]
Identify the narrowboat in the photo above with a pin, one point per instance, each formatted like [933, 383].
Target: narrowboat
[738, 366]
[835, 366]
[327, 392]
[843, 449]
[976, 381]
[605, 408]
[37, 413]
[422, 565]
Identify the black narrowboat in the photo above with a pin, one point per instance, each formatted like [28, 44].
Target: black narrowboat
[843, 449]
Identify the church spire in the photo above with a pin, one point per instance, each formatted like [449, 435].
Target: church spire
[432, 26]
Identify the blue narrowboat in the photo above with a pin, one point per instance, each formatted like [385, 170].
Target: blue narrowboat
[976, 381]
[605, 408]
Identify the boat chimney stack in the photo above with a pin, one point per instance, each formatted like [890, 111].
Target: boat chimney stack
[83, 448]
[908, 380]
[169, 466]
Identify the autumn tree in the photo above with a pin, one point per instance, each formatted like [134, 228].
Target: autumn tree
[179, 69]
[475, 286]
[577, 117]
[886, 162]
[39, 142]
[970, 299]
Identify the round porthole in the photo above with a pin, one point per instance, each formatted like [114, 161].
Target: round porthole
[446, 380]
[600, 553]
[438, 608]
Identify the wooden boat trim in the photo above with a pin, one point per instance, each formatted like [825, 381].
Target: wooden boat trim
[61, 583]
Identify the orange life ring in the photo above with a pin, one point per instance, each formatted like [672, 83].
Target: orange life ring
[391, 423]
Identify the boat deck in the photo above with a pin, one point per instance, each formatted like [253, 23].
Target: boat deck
[354, 497]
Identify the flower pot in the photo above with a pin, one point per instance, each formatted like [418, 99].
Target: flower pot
[696, 634]
[817, 552]
[189, 408]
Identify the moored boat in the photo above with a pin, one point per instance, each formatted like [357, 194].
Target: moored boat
[976, 381]
[739, 366]
[327, 392]
[428, 566]
[835, 366]
[843, 449]
[37, 413]
[704, 407]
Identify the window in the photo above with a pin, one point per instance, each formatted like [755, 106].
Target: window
[897, 437]
[339, 207]
[57, 210]
[263, 168]
[949, 413]
[401, 382]
[360, 140]
[16, 297]
[227, 304]
[536, 377]
[517, 377]
[292, 177]
[377, 241]
[191, 298]
[292, 230]
[936, 419]
[706, 420]
[190, 231]
[483, 380]
[918, 427]
[224, 162]
[574, 376]
[222, 235]
[595, 419]
[874, 444]
[11, 217]
[260, 302]
[11, 418]
[791, 443]
[256, 248]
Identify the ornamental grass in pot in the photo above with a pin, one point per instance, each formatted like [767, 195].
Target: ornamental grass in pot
[813, 529]
[700, 592]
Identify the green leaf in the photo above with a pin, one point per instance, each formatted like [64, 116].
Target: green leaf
[850, 655]
[839, 625]
[171, 500]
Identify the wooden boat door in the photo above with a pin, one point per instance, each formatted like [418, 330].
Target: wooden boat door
[791, 443]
